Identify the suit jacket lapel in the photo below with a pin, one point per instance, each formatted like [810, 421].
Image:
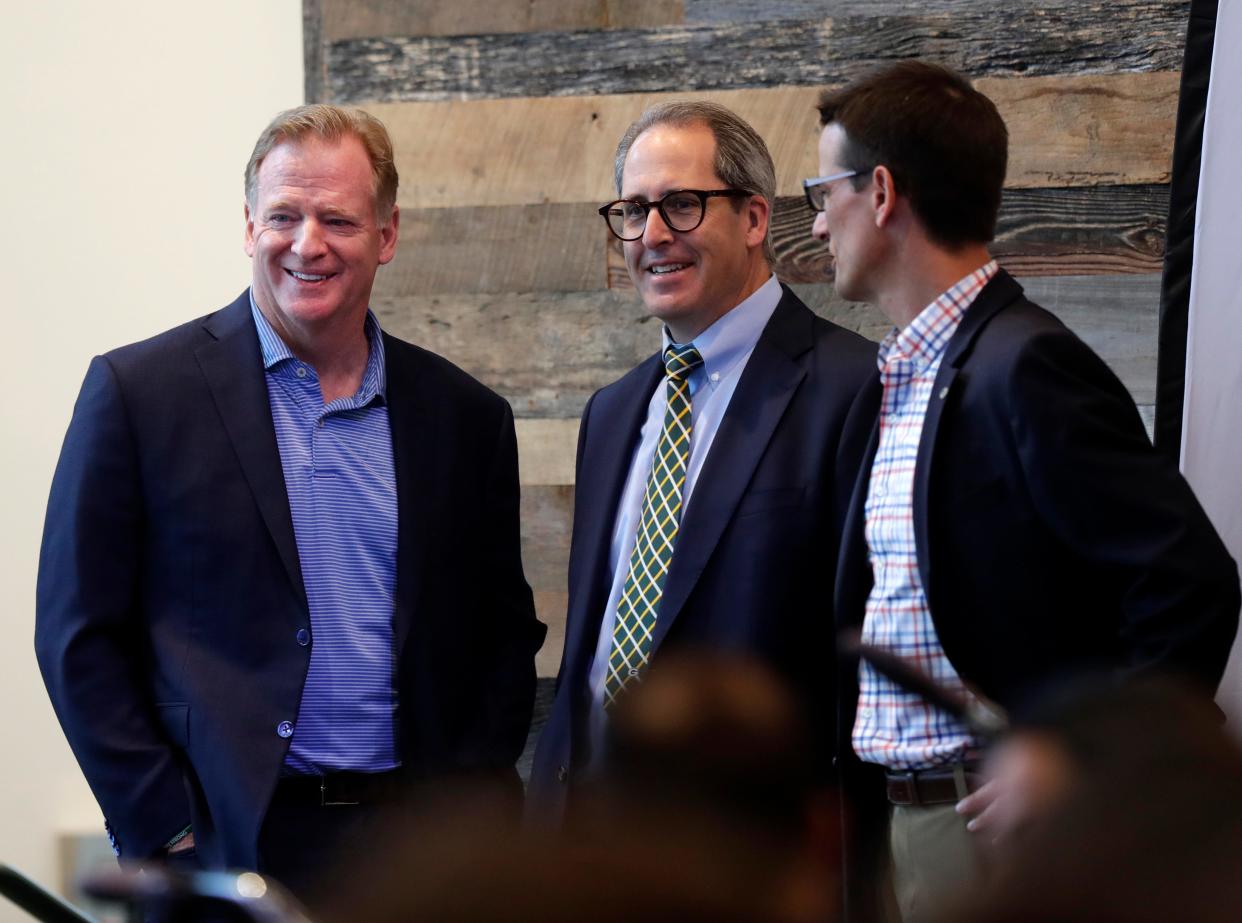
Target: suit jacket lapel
[616, 419]
[413, 422]
[232, 363]
[1000, 291]
[854, 578]
[771, 377]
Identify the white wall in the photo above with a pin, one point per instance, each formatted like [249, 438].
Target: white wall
[127, 129]
[1212, 431]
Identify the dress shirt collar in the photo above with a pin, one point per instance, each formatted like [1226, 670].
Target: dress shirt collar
[924, 340]
[276, 351]
[731, 338]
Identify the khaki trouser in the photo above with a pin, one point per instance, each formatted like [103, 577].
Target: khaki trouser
[935, 859]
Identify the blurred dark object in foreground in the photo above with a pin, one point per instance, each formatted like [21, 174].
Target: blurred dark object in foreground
[707, 814]
[1139, 820]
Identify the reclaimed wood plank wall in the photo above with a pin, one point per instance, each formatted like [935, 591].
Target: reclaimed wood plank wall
[506, 113]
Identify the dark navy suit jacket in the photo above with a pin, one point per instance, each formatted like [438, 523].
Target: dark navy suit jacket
[754, 563]
[170, 594]
[1052, 539]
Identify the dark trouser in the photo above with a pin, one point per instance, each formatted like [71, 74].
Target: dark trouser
[312, 845]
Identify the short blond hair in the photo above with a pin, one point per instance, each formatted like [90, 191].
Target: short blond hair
[331, 123]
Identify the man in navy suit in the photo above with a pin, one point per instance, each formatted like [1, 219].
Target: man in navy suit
[1013, 524]
[711, 479]
[280, 579]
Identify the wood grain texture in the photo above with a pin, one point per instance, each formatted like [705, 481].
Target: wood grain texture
[547, 511]
[546, 450]
[1064, 131]
[351, 19]
[1095, 36]
[1116, 129]
[1090, 230]
[519, 248]
[698, 12]
[547, 353]
[551, 607]
[312, 50]
[547, 518]
[566, 248]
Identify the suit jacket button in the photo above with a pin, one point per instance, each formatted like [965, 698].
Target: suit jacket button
[285, 729]
[303, 637]
[562, 774]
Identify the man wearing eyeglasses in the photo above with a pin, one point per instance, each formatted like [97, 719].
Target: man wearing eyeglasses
[711, 478]
[1015, 524]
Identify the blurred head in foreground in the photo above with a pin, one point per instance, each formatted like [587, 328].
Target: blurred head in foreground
[706, 813]
[1136, 797]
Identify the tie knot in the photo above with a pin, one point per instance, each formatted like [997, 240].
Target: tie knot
[680, 361]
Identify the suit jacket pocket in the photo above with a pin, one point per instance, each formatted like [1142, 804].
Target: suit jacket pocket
[175, 720]
[779, 498]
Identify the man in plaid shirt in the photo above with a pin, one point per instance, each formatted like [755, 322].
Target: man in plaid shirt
[1016, 525]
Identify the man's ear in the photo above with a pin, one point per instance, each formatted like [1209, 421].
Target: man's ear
[758, 215]
[388, 236]
[883, 195]
[249, 231]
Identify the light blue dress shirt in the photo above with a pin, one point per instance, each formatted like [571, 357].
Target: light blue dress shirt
[342, 487]
[725, 347]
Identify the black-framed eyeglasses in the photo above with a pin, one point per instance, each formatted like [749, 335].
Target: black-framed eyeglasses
[682, 211]
[816, 188]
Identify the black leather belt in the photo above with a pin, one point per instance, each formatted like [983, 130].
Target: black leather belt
[341, 788]
[930, 786]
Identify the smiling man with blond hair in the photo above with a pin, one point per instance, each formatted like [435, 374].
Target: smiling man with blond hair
[280, 580]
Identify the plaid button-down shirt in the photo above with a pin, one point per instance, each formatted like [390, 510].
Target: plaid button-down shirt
[893, 727]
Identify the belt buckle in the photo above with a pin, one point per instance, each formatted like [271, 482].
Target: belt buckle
[323, 796]
[908, 779]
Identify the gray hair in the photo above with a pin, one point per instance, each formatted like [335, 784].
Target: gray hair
[742, 159]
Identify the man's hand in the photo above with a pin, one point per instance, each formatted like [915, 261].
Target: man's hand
[1026, 774]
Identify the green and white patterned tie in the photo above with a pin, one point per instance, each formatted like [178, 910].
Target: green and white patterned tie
[657, 530]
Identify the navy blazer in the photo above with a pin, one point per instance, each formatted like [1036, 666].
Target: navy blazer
[1052, 539]
[170, 593]
[753, 569]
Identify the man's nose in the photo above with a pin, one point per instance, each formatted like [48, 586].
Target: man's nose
[819, 229]
[655, 232]
[309, 240]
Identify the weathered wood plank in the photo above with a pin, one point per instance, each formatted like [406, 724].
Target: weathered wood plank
[312, 50]
[1117, 316]
[520, 248]
[546, 450]
[1090, 230]
[1092, 37]
[547, 511]
[350, 19]
[566, 248]
[547, 353]
[547, 518]
[1080, 133]
[551, 607]
[703, 12]
[1064, 131]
